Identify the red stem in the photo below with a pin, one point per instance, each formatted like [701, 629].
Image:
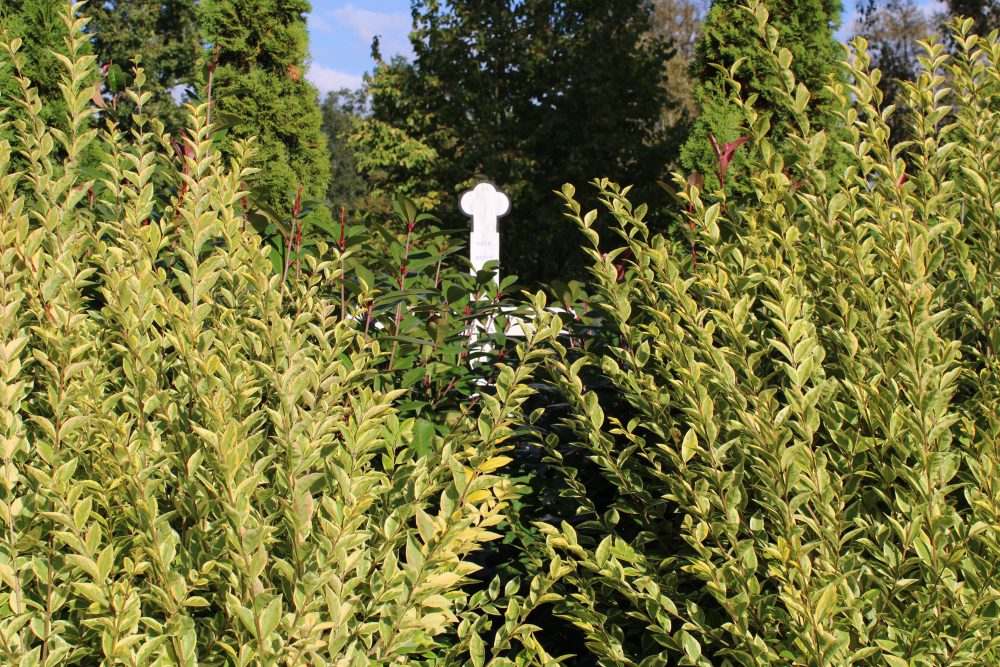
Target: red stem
[213, 63]
[402, 279]
[294, 236]
[343, 244]
[694, 254]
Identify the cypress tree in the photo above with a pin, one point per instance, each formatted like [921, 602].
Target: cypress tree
[39, 25]
[259, 84]
[806, 28]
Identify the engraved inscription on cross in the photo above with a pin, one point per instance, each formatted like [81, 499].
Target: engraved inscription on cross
[485, 205]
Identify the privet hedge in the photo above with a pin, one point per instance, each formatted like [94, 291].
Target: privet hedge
[202, 460]
[779, 438]
[800, 421]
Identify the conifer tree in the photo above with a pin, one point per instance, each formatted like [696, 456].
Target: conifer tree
[259, 85]
[40, 27]
[806, 28]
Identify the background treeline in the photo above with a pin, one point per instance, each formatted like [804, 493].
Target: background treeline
[528, 94]
[760, 431]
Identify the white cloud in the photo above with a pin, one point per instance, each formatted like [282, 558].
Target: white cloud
[393, 29]
[366, 24]
[318, 23]
[327, 79]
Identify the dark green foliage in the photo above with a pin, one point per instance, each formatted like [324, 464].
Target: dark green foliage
[526, 94]
[805, 28]
[445, 327]
[984, 13]
[259, 88]
[395, 159]
[39, 24]
[165, 35]
[341, 110]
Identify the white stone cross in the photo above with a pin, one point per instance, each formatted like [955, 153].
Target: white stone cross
[485, 205]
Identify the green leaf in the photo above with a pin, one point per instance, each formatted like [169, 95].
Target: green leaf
[270, 618]
[477, 650]
[116, 79]
[692, 649]
[689, 446]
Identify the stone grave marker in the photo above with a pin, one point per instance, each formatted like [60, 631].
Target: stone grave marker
[485, 205]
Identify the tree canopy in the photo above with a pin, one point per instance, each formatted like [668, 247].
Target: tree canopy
[528, 94]
[165, 33]
[679, 21]
[340, 109]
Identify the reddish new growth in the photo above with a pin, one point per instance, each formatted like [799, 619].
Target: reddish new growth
[403, 271]
[342, 244]
[620, 264]
[294, 241]
[296, 208]
[724, 154]
[343, 226]
[410, 224]
[183, 153]
[793, 182]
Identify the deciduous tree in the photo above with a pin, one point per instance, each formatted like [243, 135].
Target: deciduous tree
[984, 13]
[679, 22]
[893, 30]
[341, 110]
[527, 94]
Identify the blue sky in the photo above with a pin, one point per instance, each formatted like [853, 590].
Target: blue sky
[341, 36]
